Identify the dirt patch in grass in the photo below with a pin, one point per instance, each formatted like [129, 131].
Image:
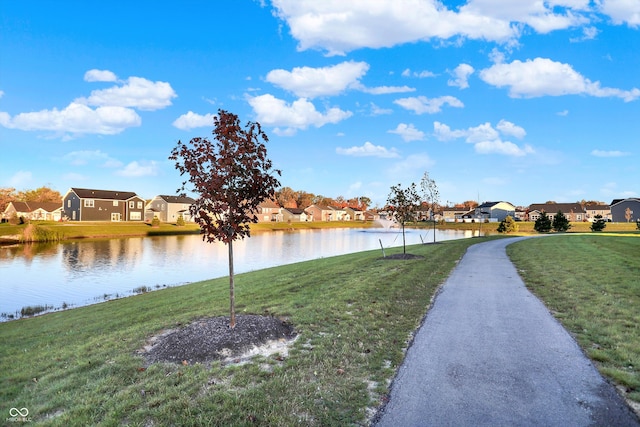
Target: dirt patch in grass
[211, 339]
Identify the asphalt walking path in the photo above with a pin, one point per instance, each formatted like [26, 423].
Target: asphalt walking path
[489, 353]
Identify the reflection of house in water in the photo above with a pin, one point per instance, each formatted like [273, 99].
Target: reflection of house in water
[111, 254]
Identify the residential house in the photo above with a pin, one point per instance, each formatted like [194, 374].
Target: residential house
[294, 215]
[320, 213]
[37, 211]
[169, 208]
[370, 215]
[573, 211]
[625, 210]
[495, 211]
[84, 204]
[269, 211]
[355, 214]
[454, 213]
[595, 210]
[339, 214]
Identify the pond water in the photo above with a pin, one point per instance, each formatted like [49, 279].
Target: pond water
[77, 273]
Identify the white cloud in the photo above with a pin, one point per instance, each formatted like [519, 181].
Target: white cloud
[298, 115]
[609, 153]
[308, 82]
[508, 128]
[99, 76]
[86, 157]
[498, 146]
[192, 120]
[461, 74]
[137, 169]
[419, 74]
[422, 104]
[408, 132]
[544, 77]
[378, 111]
[487, 139]
[341, 26]
[105, 112]
[137, 92]
[444, 132]
[75, 119]
[1, 93]
[622, 11]
[588, 33]
[383, 90]
[368, 150]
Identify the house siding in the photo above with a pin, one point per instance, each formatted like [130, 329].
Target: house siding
[619, 208]
[123, 206]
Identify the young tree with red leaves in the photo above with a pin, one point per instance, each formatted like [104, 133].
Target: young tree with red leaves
[232, 176]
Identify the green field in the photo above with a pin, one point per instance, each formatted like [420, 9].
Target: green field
[591, 283]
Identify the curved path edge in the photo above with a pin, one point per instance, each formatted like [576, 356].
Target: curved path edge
[489, 353]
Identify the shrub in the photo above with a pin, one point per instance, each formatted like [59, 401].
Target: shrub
[155, 222]
[180, 221]
[599, 224]
[543, 223]
[508, 225]
[560, 222]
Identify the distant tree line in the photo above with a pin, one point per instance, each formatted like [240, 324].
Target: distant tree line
[40, 195]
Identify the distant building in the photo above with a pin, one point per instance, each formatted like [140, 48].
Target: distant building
[573, 211]
[495, 211]
[85, 204]
[169, 208]
[37, 211]
[625, 210]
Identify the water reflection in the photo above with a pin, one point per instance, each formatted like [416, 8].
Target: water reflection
[85, 272]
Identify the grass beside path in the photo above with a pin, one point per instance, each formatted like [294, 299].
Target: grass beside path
[591, 283]
[354, 315]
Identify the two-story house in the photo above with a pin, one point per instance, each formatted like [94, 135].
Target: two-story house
[169, 208]
[625, 210]
[84, 204]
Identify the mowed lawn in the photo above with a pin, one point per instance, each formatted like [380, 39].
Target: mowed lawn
[354, 315]
[591, 283]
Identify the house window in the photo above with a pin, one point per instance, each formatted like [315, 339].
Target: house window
[88, 203]
[135, 216]
[139, 205]
[132, 204]
[69, 203]
[115, 203]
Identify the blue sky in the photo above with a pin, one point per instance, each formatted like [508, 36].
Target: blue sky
[523, 101]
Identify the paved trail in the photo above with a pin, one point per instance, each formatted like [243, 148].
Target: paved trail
[490, 354]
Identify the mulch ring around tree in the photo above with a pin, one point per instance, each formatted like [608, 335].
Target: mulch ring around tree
[211, 339]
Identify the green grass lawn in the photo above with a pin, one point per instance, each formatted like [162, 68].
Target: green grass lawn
[591, 283]
[354, 315]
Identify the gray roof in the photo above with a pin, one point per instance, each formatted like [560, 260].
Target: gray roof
[177, 199]
[88, 193]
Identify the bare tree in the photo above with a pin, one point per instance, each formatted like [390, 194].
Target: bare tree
[232, 176]
[432, 197]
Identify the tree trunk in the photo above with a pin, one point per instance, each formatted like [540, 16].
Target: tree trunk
[232, 297]
[434, 227]
[404, 245]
